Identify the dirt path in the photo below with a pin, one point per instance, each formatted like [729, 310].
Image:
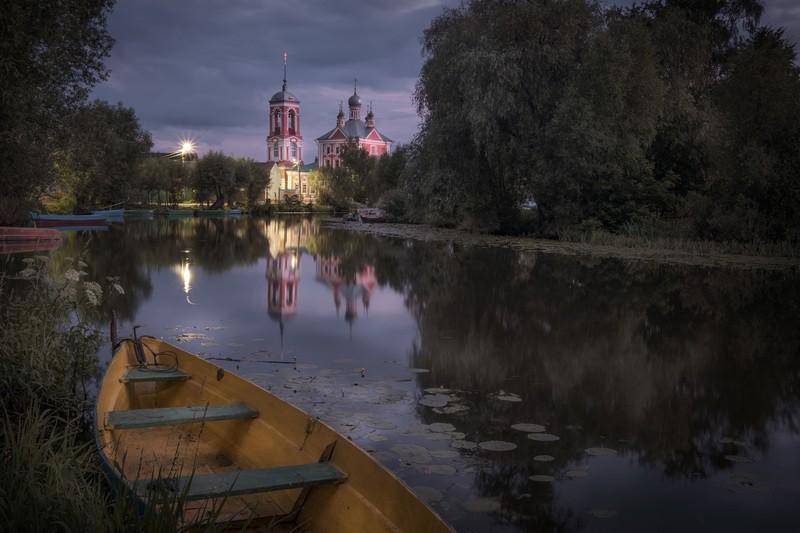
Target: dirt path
[430, 233]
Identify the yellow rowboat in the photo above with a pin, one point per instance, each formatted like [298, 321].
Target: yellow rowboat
[167, 420]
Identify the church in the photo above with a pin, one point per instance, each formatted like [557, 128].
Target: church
[285, 159]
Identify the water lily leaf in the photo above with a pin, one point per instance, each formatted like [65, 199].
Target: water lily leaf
[445, 454]
[428, 494]
[417, 370]
[452, 409]
[497, 445]
[463, 445]
[377, 438]
[603, 513]
[739, 459]
[543, 458]
[543, 437]
[577, 473]
[542, 478]
[444, 470]
[441, 427]
[437, 390]
[601, 452]
[412, 453]
[482, 505]
[435, 400]
[380, 424]
[528, 428]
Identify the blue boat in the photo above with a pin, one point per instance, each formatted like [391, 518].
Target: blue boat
[50, 221]
[110, 213]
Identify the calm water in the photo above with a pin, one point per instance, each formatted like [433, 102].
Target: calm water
[513, 391]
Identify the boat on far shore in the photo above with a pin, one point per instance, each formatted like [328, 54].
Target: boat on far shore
[371, 215]
[138, 213]
[42, 220]
[14, 239]
[218, 212]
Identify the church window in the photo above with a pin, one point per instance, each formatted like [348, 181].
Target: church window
[294, 150]
[275, 152]
[277, 121]
[291, 122]
[337, 150]
[327, 150]
[304, 188]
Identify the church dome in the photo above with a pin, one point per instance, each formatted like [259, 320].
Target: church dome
[283, 96]
[354, 101]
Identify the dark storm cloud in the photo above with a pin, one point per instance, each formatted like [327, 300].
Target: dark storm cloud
[206, 69]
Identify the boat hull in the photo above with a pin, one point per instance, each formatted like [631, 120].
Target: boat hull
[55, 221]
[370, 498]
[371, 215]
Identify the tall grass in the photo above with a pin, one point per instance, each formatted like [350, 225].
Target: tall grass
[638, 236]
[50, 474]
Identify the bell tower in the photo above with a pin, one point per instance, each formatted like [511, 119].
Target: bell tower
[284, 141]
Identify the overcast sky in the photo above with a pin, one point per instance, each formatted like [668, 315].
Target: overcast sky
[206, 69]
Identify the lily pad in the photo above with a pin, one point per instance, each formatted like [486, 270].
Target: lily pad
[437, 390]
[428, 494]
[541, 478]
[601, 452]
[463, 445]
[497, 445]
[444, 470]
[543, 458]
[377, 438]
[380, 424]
[435, 400]
[543, 437]
[739, 459]
[412, 453]
[445, 454]
[603, 513]
[417, 370]
[528, 428]
[441, 427]
[577, 473]
[482, 505]
[452, 409]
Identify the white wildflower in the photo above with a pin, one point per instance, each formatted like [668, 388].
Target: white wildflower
[28, 273]
[72, 275]
[82, 264]
[91, 296]
[118, 288]
[93, 287]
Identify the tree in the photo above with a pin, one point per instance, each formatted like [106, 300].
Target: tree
[97, 163]
[52, 54]
[162, 174]
[253, 178]
[214, 174]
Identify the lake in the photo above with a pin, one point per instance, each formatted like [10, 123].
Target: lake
[513, 391]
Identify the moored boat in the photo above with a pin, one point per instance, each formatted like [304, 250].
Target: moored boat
[180, 212]
[218, 212]
[371, 214]
[167, 420]
[52, 221]
[14, 240]
[110, 213]
[138, 213]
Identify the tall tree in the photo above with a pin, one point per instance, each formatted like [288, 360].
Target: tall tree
[98, 161]
[213, 174]
[51, 55]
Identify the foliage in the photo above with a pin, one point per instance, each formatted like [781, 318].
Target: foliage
[162, 173]
[51, 54]
[253, 179]
[213, 175]
[98, 162]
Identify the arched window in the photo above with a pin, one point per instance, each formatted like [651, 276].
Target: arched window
[276, 154]
[294, 150]
[291, 122]
[327, 150]
[337, 150]
[278, 121]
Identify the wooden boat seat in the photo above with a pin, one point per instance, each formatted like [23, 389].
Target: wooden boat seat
[239, 482]
[170, 416]
[137, 375]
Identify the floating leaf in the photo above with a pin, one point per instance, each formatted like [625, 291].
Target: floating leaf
[497, 445]
[398, 378]
[542, 478]
[482, 505]
[435, 400]
[437, 390]
[528, 428]
[463, 445]
[739, 459]
[543, 458]
[380, 424]
[601, 452]
[543, 437]
[452, 409]
[444, 470]
[377, 438]
[603, 513]
[445, 454]
[417, 370]
[412, 453]
[441, 427]
[577, 473]
[428, 494]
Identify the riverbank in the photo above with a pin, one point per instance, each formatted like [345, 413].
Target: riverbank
[425, 232]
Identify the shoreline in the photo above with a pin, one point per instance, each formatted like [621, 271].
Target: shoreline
[424, 232]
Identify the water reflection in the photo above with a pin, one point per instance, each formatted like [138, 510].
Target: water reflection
[683, 383]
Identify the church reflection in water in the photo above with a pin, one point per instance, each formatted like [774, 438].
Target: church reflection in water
[288, 243]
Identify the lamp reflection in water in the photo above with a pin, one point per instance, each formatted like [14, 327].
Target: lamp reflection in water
[186, 274]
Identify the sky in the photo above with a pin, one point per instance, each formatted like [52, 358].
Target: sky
[205, 69]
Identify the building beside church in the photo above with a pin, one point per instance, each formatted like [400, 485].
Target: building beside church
[363, 131]
[285, 164]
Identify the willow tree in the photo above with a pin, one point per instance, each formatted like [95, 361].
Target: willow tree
[52, 54]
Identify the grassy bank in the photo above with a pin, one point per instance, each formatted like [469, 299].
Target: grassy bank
[50, 476]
